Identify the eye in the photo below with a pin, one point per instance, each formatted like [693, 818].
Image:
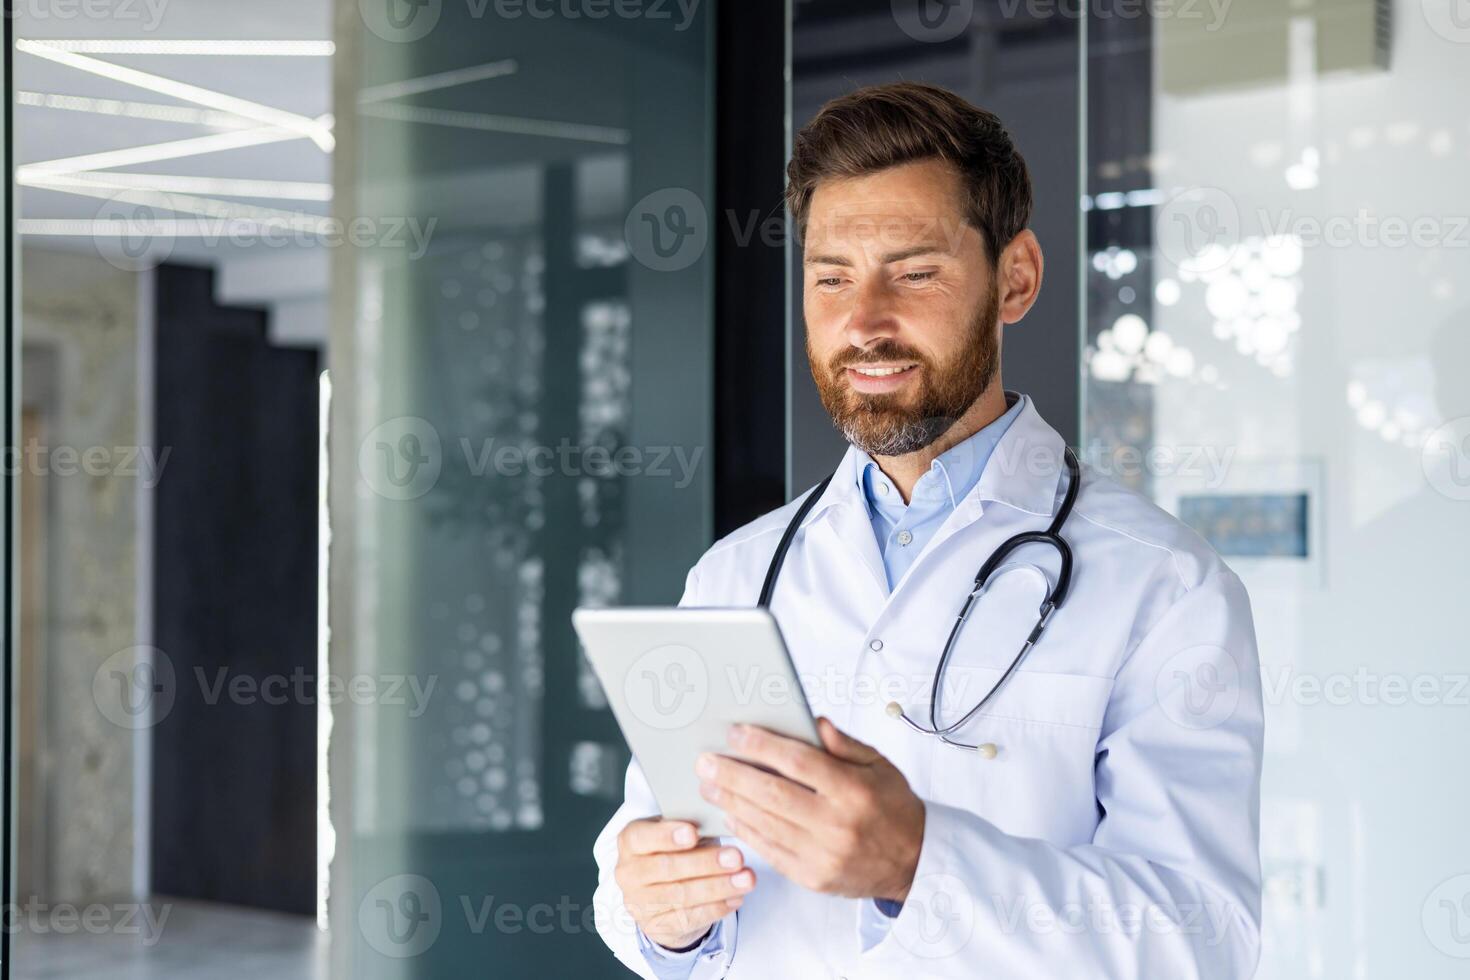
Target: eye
[918, 276]
[830, 281]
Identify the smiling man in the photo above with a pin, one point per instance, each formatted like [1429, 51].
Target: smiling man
[1079, 795]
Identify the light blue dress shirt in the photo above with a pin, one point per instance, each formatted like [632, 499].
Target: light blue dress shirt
[902, 531]
[668, 965]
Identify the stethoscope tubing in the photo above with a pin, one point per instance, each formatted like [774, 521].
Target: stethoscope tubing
[1051, 536]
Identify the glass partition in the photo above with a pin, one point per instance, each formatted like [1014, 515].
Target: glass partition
[520, 418]
[1278, 339]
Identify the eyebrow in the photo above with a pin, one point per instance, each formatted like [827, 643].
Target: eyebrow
[891, 257]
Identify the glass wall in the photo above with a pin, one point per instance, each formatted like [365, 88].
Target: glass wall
[520, 417]
[1278, 341]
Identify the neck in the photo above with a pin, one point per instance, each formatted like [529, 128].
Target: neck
[905, 470]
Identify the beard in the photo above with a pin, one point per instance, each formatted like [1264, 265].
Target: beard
[899, 423]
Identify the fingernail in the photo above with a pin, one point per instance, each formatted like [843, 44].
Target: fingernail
[730, 858]
[684, 836]
[743, 881]
[709, 791]
[705, 765]
[736, 735]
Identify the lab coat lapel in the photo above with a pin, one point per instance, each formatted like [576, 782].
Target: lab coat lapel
[1023, 472]
[844, 513]
[854, 530]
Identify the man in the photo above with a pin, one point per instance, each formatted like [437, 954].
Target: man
[1103, 821]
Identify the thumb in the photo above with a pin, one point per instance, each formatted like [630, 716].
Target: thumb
[844, 746]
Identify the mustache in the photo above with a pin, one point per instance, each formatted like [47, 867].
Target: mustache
[886, 351]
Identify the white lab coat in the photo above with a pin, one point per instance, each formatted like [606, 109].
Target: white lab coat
[1115, 832]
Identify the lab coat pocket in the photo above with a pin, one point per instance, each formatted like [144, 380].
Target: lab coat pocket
[1032, 773]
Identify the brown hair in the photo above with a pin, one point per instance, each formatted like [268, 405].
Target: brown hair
[882, 126]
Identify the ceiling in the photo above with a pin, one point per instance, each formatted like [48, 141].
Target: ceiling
[263, 114]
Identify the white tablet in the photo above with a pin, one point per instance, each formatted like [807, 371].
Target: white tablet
[678, 678]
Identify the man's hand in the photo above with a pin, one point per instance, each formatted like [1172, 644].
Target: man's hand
[676, 886]
[842, 822]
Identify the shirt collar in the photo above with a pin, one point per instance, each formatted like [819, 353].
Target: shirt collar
[951, 475]
[1024, 471]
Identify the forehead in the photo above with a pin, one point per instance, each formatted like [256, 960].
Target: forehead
[914, 203]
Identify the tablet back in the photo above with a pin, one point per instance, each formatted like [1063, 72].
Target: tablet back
[677, 678]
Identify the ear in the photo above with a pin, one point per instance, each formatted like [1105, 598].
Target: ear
[1019, 276]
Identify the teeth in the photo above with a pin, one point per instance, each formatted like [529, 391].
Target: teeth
[877, 372]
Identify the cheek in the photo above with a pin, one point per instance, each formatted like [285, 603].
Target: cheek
[825, 315]
[940, 318]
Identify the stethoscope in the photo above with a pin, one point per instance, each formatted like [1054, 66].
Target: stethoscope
[1054, 598]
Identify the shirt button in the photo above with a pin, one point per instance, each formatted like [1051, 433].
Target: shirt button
[904, 537]
[882, 489]
[875, 645]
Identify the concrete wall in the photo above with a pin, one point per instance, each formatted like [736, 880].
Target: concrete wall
[79, 329]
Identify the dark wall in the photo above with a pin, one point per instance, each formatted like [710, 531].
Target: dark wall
[235, 600]
[750, 277]
[1025, 68]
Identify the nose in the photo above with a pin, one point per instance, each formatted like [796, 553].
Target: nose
[871, 317]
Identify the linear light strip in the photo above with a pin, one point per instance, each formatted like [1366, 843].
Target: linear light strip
[289, 190]
[231, 48]
[197, 227]
[442, 80]
[204, 207]
[135, 110]
[153, 152]
[319, 133]
[519, 125]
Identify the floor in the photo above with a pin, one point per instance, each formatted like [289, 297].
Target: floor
[175, 940]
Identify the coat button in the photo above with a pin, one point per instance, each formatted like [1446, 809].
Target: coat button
[875, 645]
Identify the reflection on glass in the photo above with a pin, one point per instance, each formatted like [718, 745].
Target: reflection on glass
[1277, 340]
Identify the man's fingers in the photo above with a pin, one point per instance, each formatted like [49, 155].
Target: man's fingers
[655, 835]
[781, 858]
[844, 746]
[773, 825]
[772, 792]
[792, 758]
[702, 862]
[674, 895]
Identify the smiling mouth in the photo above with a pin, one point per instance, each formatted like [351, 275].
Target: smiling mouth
[881, 371]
